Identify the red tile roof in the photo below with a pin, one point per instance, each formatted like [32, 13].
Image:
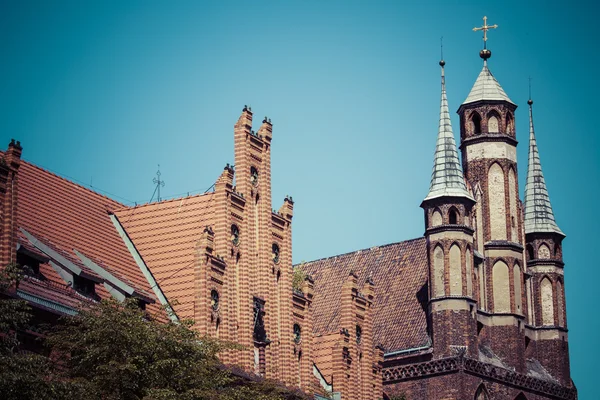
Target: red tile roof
[66, 217]
[166, 234]
[399, 271]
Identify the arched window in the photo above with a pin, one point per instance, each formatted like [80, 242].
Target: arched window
[253, 176]
[455, 271]
[297, 333]
[235, 234]
[214, 299]
[560, 303]
[453, 216]
[468, 264]
[493, 124]
[438, 272]
[436, 218]
[481, 393]
[543, 252]
[518, 291]
[497, 204]
[521, 396]
[512, 201]
[275, 251]
[530, 252]
[547, 302]
[358, 334]
[501, 288]
[510, 126]
[476, 123]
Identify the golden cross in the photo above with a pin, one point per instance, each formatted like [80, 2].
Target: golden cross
[485, 28]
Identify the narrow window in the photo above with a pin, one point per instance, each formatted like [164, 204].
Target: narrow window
[497, 203]
[476, 121]
[253, 176]
[214, 299]
[235, 234]
[509, 124]
[453, 217]
[493, 124]
[481, 393]
[358, 334]
[530, 252]
[518, 292]
[436, 218]
[275, 251]
[501, 288]
[455, 271]
[547, 302]
[297, 333]
[438, 272]
[560, 303]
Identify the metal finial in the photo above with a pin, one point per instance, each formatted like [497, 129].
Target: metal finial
[530, 102]
[485, 53]
[158, 182]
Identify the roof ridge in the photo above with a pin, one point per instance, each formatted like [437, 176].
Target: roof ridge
[137, 206]
[360, 250]
[68, 180]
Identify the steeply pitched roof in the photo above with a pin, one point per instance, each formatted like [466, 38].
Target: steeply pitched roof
[165, 234]
[399, 271]
[65, 217]
[486, 87]
[447, 177]
[539, 216]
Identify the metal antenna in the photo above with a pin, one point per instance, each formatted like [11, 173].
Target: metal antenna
[158, 182]
[530, 88]
[442, 48]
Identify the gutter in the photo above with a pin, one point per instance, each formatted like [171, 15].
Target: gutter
[408, 351]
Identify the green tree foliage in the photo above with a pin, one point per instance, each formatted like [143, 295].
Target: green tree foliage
[298, 277]
[115, 351]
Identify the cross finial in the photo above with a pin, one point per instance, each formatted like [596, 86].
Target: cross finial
[158, 182]
[485, 28]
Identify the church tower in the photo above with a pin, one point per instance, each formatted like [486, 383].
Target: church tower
[449, 234]
[489, 155]
[545, 286]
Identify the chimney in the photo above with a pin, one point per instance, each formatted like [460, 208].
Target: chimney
[9, 166]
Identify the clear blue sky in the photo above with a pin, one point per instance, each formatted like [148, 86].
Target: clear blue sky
[103, 91]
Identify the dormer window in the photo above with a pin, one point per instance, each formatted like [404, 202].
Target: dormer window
[275, 250]
[235, 235]
[84, 286]
[30, 265]
[253, 176]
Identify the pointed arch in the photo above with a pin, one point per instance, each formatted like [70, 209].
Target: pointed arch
[453, 216]
[512, 201]
[481, 393]
[493, 122]
[436, 218]
[517, 274]
[547, 301]
[455, 271]
[438, 272]
[560, 302]
[543, 252]
[496, 201]
[530, 255]
[501, 287]
[521, 396]
[510, 124]
[475, 123]
[469, 272]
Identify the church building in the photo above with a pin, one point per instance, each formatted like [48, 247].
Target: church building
[474, 309]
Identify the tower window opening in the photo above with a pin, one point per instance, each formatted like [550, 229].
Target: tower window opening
[253, 176]
[297, 333]
[493, 124]
[235, 234]
[358, 334]
[453, 217]
[476, 121]
[530, 252]
[275, 253]
[214, 299]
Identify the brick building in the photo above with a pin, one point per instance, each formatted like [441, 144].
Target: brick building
[476, 308]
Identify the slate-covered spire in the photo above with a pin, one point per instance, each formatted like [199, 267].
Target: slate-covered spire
[447, 177]
[486, 87]
[539, 216]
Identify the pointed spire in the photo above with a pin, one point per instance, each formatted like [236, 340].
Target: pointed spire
[486, 87]
[539, 216]
[447, 177]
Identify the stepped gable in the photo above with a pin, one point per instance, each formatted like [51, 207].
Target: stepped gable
[65, 217]
[165, 234]
[399, 271]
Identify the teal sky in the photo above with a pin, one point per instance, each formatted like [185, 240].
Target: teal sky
[102, 92]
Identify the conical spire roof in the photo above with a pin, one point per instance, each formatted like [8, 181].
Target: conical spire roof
[486, 87]
[539, 216]
[447, 177]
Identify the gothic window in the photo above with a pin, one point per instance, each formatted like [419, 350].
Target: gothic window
[436, 218]
[476, 123]
[510, 127]
[260, 335]
[560, 303]
[455, 271]
[512, 203]
[530, 252]
[518, 292]
[543, 252]
[275, 251]
[521, 396]
[297, 333]
[497, 204]
[235, 234]
[501, 288]
[493, 124]
[547, 302]
[214, 299]
[468, 264]
[438, 272]
[453, 216]
[358, 334]
[253, 176]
